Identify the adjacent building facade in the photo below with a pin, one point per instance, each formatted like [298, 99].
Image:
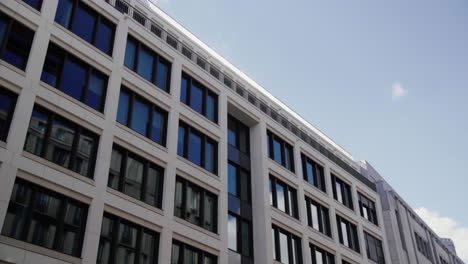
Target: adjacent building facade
[125, 139]
[410, 239]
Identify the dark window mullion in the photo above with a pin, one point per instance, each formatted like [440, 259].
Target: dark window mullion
[144, 181]
[48, 132]
[287, 201]
[71, 23]
[130, 109]
[28, 212]
[74, 149]
[60, 224]
[123, 171]
[115, 238]
[149, 128]
[155, 66]
[137, 55]
[138, 244]
[97, 22]
[84, 94]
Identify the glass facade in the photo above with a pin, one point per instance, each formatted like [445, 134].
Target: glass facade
[199, 97]
[45, 218]
[287, 247]
[280, 151]
[15, 41]
[88, 24]
[283, 197]
[185, 254]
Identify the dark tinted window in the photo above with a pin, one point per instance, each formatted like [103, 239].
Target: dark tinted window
[15, 41]
[283, 197]
[136, 176]
[7, 108]
[318, 216]
[86, 23]
[374, 248]
[342, 192]
[196, 205]
[142, 116]
[199, 97]
[147, 63]
[186, 254]
[197, 147]
[367, 208]
[34, 3]
[125, 242]
[74, 77]
[45, 218]
[313, 173]
[62, 141]
[280, 151]
[287, 247]
[347, 233]
[321, 256]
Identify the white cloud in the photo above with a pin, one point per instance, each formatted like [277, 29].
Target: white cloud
[398, 91]
[447, 227]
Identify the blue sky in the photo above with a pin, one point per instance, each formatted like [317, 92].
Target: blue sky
[387, 80]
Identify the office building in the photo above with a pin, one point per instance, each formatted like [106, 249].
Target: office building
[125, 139]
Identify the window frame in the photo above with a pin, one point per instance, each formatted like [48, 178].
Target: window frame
[318, 182]
[5, 130]
[378, 247]
[346, 191]
[271, 138]
[291, 238]
[352, 234]
[366, 203]
[30, 212]
[190, 81]
[329, 257]
[38, 7]
[323, 216]
[203, 193]
[156, 58]
[100, 18]
[204, 140]
[79, 131]
[126, 154]
[114, 238]
[134, 96]
[11, 22]
[239, 236]
[289, 191]
[90, 70]
[183, 246]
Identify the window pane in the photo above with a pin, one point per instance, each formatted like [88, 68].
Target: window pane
[277, 151]
[232, 137]
[18, 45]
[178, 203]
[122, 112]
[232, 232]
[181, 141]
[41, 233]
[191, 257]
[196, 98]
[36, 133]
[105, 37]
[127, 235]
[210, 161]
[339, 196]
[195, 145]
[34, 3]
[284, 248]
[7, 103]
[83, 24]
[193, 205]
[211, 107]
[74, 215]
[60, 146]
[64, 12]
[73, 79]
[310, 173]
[315, 217]
[96, 90]
[232, 180]
[147, 248]
[145, 64]
[103, 252]
[183, 90]
[153, 181]
[133, 178]
[125, 256]
[52, 66]
[3, 28]
[280, 197]
[85, 154]
[344, 234]
[287, 158]
[140, 117]
[130, 53]
[69, 242]
[246, 239]
[157, 132]
[209, 213]
[175, 254]
[161, 77]
[245, 186]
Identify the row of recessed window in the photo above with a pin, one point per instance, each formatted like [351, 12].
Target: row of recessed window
[282, 152]
[48, 219]
[284, 198]
[287, 248]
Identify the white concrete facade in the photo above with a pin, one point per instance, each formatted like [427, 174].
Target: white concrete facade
[15, 162]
